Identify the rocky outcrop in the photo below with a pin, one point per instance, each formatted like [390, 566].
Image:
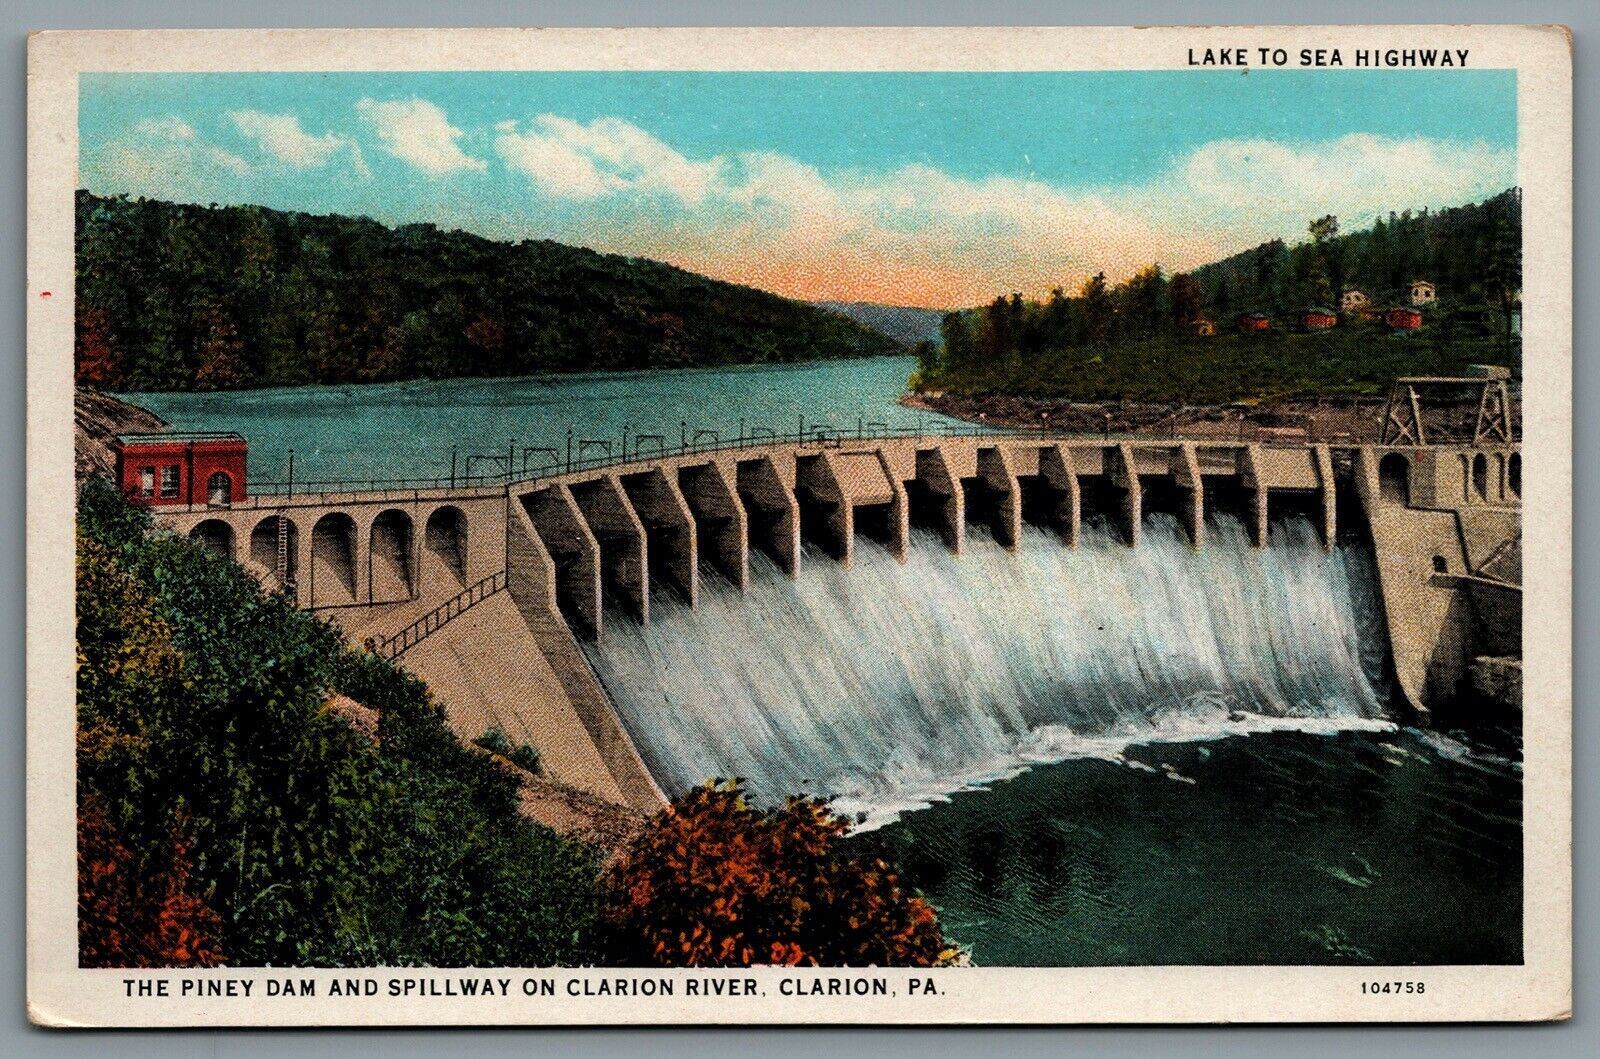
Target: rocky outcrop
[97, 418]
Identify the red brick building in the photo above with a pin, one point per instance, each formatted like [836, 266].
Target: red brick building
[1318, 319]
[181, 468]
[1402, 318]
[1254, 322]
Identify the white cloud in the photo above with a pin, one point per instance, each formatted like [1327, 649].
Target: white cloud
[280, 136]
[163, 156]
[920, 233]
[1275, 187]
[418, 132]
[568, 159]
[164, 129]
[916, 234]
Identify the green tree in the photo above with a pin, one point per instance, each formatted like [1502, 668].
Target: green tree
[1502, 267]
[1097, 309]
[1185, 297]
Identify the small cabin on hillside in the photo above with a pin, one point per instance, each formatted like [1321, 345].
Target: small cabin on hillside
[1318, 319]
[1355, 301]
[1254, 323]
[181, 468]
[1203, 327]
[1403, 318]
[1423, 292]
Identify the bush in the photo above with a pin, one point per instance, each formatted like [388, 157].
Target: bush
[715, 881]
[521, 755]
[203, 720]
[139, 912]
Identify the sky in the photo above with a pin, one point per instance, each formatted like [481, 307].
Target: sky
[926, 189]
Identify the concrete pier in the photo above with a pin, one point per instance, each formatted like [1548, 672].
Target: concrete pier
[1186, 472]
[1123, 472]
[565, 535]
[772, 511]
[721, 528]
[669, 527]
[624, 547]
[935, 478]
[1251, 476]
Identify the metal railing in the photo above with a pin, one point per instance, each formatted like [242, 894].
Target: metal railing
[522, 463]
[393, 647]
[519, 463]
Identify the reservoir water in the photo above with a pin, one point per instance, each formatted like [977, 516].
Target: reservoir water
[1100, 756]
[408, 429]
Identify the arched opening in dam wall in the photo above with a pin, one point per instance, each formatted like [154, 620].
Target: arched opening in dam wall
[671, 547]
[1394, 474]
[935, 499]
[445, 542]
[624, 548]
[390, 562]
[214, 536]
[333, 560]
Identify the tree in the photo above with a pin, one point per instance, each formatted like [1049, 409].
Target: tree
[139, 914]
[959, 348]
[221, 363]
[1224, 298]
[1502, 271]
[97, 361]
[1097, 310]
[1057, 321]
[1266, 264]
[1327, 272]
[1142, 296]
[996, 341]
[715, 881]
[1184, 296]
[332, 299]
[206, 743]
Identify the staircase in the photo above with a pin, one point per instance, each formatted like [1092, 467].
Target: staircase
[394, 646]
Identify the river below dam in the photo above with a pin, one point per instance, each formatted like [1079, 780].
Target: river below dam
[1105, 755]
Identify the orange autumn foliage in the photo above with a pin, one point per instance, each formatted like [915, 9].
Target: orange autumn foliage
[132, 915]
[714, 881]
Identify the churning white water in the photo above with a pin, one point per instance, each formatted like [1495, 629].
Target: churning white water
[890, 684]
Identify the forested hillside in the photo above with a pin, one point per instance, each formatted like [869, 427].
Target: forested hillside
[192, 297]
[1172, 338]
[1470, 253]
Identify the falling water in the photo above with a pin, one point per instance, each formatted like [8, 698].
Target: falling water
[889, 685]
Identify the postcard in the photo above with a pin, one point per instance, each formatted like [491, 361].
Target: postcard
[799, 526]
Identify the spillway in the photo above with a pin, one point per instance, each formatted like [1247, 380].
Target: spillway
[888, 685]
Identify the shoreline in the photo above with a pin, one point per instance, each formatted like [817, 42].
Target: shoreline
[1352, 419]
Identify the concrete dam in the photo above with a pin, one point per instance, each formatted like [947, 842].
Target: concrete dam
[799, 606]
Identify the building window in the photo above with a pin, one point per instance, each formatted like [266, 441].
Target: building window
[219, 489]
[169, 480]
[147, 481]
